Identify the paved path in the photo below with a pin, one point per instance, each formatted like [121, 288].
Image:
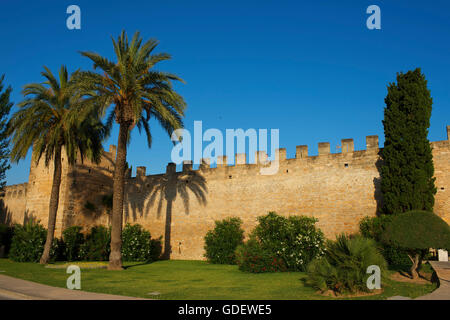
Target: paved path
[443, 272]
[443, 291]
[18, 289]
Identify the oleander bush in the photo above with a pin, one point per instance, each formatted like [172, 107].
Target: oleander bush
[96, 246]
[27, 244]
[281, 244]
[296, 240]
[73, 239]
[253, 257]
[136, 244]
[6, 234]
[343, 268]
[222, 241]
[373, 228]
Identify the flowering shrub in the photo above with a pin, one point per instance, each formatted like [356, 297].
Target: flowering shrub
[295, 239]
[137, 244]
[252, 257]
[221, 242]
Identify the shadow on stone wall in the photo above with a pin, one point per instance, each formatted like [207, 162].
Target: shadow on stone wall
[165, 189]
[5, 214]
[89, 186]
[29, 218]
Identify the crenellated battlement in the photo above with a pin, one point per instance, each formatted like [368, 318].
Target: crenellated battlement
[15, 191]
[241, 162]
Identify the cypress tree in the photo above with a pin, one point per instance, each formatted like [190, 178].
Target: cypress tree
[407, 181]
[5, 107]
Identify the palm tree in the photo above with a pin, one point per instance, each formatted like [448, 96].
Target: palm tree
[138, 93]
[51, 120]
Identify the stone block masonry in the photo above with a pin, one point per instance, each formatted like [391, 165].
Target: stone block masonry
[339, 189]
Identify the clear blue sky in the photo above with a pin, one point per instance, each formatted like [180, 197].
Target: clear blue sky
[309, 68]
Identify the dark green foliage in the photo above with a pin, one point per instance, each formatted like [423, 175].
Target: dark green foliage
[155, 249]
[373, 228]
[97, 245]
[73, 239]
[253, 257]
[136, 244]
[343, 268]
[222, 241]
[52, 116]
[6, 234]
[417, 230]
[107, 201]
[407, 171]
[5, 108]
[90, 206]
[295, 240]
[28, 243]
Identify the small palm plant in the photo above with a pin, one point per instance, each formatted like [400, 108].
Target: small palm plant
[137, 93]
[52, 121]
[343, 268]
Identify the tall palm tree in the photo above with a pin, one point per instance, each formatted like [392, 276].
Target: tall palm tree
[137, 93]
[50, 120]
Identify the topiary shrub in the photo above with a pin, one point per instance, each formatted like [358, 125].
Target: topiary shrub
[97, 244]
[6, 234]
[222, 241]
[73, 240]
[253, 257]
[343, 268]
[136, 243]
[373, 227]
[27, 244]
[417, 232]
[295, 239]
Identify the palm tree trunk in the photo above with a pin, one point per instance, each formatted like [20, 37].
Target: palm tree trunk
[115, 257]
[53, 207]
[167, 233]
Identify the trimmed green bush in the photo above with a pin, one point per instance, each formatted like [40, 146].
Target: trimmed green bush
[222, 241]
[28, 241]
[417, 232]
[72, 242]
[6, 234]
[136, 243]
[373, 227]
[97, 245]
[295, 239]
[343, 268]
[253, 257]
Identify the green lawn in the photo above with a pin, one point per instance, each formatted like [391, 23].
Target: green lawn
[195, 280]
